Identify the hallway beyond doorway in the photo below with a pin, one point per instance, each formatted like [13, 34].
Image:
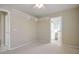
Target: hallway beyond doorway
[56, 30]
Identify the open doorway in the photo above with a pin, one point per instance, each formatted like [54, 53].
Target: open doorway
[56, 30]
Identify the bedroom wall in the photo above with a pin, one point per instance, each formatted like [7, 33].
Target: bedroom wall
[23, 28]
[70, 31]
[43, 30]
[0, 30]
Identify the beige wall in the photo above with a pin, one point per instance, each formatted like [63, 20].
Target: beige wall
[0, 30]
[43, 30]
[78, 23]
[23, 28]
[70, 26]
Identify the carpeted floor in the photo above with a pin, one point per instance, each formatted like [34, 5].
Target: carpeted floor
[43, 49]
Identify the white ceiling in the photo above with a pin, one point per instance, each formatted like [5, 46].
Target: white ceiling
[49, 8]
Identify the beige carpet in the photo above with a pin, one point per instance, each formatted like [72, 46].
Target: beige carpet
[43, 49]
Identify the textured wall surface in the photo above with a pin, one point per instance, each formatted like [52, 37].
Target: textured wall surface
[23, 28]
[70, 32]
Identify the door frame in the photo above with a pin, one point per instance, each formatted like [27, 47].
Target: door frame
[61, 29]
[6, 30]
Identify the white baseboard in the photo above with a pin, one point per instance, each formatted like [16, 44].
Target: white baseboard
[30, 42]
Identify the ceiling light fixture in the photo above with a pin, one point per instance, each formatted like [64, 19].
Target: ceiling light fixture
[39, 6]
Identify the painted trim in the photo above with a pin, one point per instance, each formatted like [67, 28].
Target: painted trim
[7, 18]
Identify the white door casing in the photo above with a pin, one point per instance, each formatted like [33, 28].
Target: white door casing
[5, 40]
